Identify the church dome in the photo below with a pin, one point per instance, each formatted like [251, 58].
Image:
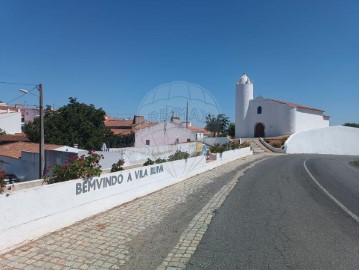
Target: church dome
[244, 79]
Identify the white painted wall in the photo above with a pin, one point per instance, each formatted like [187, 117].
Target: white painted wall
[29, 213]
[163, 134]
[216, 140]
[273, 149]
[278, 119]
[281, 119]
[30, 114]
[243, 96]
[337, 140]
[10, 121]
[309, 119]
[137, 155]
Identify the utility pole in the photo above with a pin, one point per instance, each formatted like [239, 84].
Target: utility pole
[187, 115]
[42, 135]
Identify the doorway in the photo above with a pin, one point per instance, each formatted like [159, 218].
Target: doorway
[259, 130]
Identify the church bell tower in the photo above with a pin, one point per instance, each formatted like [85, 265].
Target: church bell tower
[244, 93]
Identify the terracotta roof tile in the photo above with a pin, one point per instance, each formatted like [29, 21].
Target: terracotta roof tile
[121, 131]
[296, 105]
[17, 137]
[14, 149]
[198, 129]
[118, 123]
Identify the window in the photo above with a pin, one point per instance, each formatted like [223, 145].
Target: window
[147, 142]
[188, 140]
[259, 110]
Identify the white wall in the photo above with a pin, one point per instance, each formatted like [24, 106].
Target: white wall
[216, 140]
[136, 155]
[243, 96]
[281, 119]
[10, 121]
[163, 134]
[337, 140]
[30, 114]
[277, 118]
[309, 119]
[29, 213]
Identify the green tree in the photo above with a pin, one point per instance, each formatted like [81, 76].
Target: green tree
[74, 123]
[231, 130]
[2, 132]
[119, 141]
[356, 125]
[217, 125]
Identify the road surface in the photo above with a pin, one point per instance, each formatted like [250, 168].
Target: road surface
[277, 217]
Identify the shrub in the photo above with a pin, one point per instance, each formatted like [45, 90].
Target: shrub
[117, 166]
[244, 145]
[178, 155]
[2, 181]
[160, 160]
[148, 162]
[276, 145]
[196, 154]
[217, 148]
[78, 167]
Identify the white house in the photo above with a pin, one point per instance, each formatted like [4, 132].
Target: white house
[165, 133]
[10, 121]
[265, 117]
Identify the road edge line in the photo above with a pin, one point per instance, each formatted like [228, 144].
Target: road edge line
[190, 238]
[346, 210]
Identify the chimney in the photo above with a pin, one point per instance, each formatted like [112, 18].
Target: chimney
[138, 119]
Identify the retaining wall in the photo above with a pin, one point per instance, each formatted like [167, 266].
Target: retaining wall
[337, 140]
[273, 149]
[30, 213]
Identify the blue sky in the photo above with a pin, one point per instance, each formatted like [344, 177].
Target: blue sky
[112, 53]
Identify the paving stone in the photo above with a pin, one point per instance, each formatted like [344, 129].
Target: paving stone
[103, 241]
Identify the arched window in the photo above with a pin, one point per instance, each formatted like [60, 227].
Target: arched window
[259, 110]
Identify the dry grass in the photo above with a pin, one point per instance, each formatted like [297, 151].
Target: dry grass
[276, 142]
[355, 163]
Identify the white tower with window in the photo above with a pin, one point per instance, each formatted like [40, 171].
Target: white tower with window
[244, 94]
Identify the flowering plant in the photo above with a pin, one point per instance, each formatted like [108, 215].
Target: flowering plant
[78, 167]
[117, 166]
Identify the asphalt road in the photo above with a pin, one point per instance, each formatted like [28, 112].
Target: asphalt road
[278, 218]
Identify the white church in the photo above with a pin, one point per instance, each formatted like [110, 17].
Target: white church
[265, 117]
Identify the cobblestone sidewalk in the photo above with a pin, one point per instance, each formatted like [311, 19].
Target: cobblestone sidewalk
[102, 241]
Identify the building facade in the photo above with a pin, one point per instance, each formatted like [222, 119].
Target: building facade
[164, 133]
[10, 121]
[264, 117]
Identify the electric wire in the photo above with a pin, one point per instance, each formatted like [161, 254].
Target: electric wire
[29, 92]
[15, 83]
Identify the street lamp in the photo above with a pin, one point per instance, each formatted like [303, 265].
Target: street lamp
[42, 137]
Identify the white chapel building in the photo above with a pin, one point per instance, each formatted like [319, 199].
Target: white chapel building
[265, 117]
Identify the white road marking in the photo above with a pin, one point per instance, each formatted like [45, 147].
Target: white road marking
[350, 213]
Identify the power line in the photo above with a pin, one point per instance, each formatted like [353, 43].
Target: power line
[21, 95]
[15, 83]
